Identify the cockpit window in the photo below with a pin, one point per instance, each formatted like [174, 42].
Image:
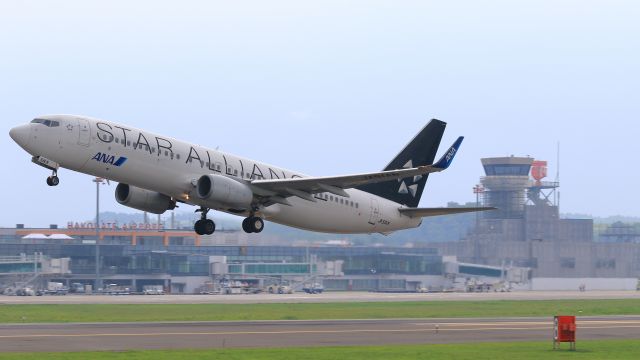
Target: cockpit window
[45, 122]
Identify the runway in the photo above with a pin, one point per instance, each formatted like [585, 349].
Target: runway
[127, 336]
[351, 296]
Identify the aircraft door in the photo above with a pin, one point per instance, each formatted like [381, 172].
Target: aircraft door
[375, 212]
[84, 134]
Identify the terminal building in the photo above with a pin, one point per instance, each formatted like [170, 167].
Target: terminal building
[181, 263]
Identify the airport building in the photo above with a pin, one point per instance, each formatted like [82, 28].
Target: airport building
[181, 263]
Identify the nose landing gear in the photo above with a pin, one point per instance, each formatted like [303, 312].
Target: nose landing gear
[48, 164]
[204, 226]
[53, 180]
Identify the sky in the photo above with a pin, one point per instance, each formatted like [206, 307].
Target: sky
[332, 87]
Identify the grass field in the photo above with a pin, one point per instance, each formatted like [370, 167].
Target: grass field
[380, 310]
[608, 349]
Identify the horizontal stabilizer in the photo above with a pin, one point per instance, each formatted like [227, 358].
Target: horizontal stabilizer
[425, 212]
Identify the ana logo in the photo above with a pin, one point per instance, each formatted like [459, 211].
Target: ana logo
[450, 154]
[109, 159]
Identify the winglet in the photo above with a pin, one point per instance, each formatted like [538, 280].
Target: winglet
[447, 158]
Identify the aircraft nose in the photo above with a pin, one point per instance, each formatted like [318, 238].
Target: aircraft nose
[20, 134]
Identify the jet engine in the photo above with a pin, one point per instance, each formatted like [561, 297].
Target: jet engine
[222, 191]
[145, 200]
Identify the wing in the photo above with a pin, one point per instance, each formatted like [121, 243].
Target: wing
[277, 190]
[425, 212]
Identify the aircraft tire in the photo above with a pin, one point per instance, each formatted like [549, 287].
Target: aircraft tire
[208, 227]
[256, 224]
[245, 226]
[199, 227]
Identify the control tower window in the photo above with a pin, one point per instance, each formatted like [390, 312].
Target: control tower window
[507, 169]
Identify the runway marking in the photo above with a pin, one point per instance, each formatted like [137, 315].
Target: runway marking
[546, 328]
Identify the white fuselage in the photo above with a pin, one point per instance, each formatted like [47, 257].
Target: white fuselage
[172, 167]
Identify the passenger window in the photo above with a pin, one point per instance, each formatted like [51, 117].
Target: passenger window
[128, 143]
[178, 156]
[357, 205]
[235, 172]
[117, 140]
[166, 153]
[331, 197]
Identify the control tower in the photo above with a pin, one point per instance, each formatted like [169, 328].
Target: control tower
[506, 181]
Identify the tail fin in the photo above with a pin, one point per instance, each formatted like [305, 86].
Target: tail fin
[420, 151]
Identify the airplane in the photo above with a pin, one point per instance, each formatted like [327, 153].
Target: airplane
[156, 172]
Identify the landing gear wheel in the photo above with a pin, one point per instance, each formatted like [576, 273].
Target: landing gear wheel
[257, 225]
[199, 227]
[253, 224]
[204, 226]
[53, 180]
[209, 227]
[245, 226]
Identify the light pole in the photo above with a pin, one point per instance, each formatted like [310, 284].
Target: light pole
[98, 283]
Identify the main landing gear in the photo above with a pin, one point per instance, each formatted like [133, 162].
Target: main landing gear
[53, 180]
[204, 226]
[253, 224]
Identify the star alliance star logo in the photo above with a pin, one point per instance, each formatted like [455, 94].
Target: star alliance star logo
[413, 188]
[69, 127]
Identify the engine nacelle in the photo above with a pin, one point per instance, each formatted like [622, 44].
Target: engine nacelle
[145, 200]
[221, 190]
